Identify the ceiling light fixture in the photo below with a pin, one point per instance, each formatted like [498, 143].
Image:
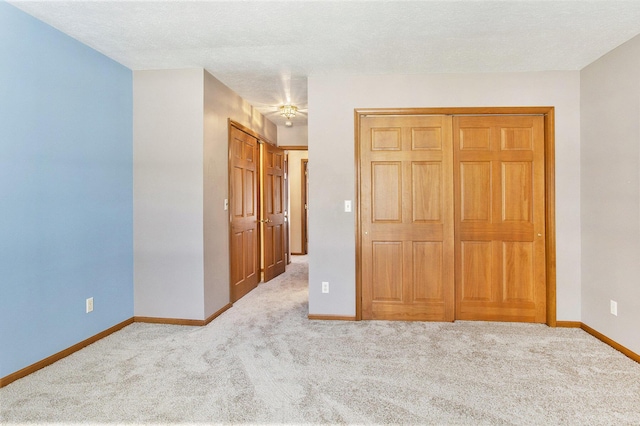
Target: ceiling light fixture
[288, 111]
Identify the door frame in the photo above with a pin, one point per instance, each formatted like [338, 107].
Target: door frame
[304, 167]
[548, 112]
[297, 148]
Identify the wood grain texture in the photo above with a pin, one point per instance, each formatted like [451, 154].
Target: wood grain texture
[357, 123]
[294, 147]
[505, 110]
[273, 208]
[550, 213]
[425, 141]
[251, 132]
[244, 235]
[171, 321]
[406, 218]
[500, 218]
[304, 185]
[4, 381]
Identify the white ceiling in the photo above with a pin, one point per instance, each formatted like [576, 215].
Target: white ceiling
[265, 50]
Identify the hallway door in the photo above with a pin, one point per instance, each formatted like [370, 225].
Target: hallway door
[274, 209]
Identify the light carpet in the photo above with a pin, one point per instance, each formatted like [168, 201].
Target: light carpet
[263, 361]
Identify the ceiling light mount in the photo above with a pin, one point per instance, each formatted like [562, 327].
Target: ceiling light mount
[288, 111]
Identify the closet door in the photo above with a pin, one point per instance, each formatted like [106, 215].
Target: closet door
[406, 218]
[243, 203]
[500, 218]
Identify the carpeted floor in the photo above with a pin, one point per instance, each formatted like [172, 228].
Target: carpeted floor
[263, 361]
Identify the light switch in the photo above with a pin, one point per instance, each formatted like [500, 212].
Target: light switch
[347, 206]
[226, 204]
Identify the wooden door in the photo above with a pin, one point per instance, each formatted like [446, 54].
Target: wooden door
[274, 207]
[305, 206]
[287, 215]
[406, 218]
[500, 218]
[243, 206]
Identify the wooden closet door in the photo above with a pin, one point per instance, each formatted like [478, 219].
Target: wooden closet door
[406, 215]
[500, 218]
[243, 203]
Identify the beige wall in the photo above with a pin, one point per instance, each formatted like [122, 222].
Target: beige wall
[293, 136]
[296, 212]
[610, 181]
[181, 229]
[167, 193]
[332, 100]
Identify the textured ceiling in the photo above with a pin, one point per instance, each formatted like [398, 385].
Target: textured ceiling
[264, 50]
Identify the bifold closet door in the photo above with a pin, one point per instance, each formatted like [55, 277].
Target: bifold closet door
[406, 218]
[500, 218]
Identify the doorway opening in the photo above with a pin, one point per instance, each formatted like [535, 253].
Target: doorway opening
[298, 178]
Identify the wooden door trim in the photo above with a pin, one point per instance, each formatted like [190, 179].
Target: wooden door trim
[358, 114]
[550, 214]
[251, 132]
[515, 110]
[303, 197]
[549, 163]
[294, 147]
[287, 216]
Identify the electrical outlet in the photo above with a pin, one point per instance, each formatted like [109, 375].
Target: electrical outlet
[89, 304]
[614, 307]
[325, 286]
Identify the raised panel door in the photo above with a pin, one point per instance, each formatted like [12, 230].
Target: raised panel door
[273, 222]
[406, 218]
[500, 218]
[243, 201]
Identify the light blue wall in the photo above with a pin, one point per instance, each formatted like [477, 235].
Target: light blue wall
[66, 213]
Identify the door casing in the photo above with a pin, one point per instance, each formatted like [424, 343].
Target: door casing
[548, 112]
[304, 213]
